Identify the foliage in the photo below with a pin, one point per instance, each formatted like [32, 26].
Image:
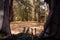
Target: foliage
[23, 11]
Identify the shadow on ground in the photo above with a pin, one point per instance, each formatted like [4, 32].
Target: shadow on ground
[21, 36]
[25, 36]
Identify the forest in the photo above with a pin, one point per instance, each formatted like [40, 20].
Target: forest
[27, 16]
[28, 10]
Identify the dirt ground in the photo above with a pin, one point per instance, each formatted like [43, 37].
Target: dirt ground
[33, 26]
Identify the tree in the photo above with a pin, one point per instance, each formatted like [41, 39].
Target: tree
[1, 12]
[6, 23]
[27, 9]
[11, 10]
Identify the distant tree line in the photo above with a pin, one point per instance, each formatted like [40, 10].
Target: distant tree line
[24, 10]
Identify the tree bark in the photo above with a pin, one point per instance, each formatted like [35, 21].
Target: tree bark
[1, 12]
[6, 23]
[11, 11]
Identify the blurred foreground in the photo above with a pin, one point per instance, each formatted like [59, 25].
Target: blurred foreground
[24, 30]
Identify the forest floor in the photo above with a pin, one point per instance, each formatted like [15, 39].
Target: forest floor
[18, 27]
[23, 30]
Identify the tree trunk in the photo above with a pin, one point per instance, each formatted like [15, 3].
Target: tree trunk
[6, 23]
[1, 13]
[11, 11]
[38, 10]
